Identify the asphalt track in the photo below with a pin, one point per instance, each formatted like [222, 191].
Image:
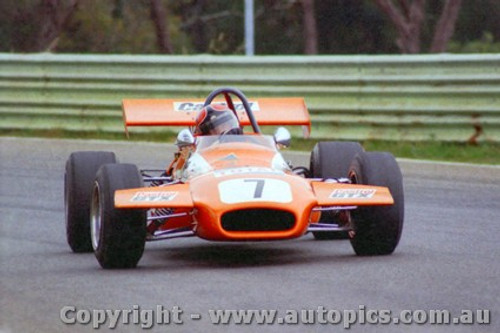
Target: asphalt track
[448, 257]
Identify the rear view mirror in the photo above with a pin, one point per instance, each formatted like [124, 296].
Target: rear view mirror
[184, 138]
[282, 137]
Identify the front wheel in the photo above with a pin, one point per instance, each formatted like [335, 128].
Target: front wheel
[331, 159]
[81, 168]
[118, 235]
[377, 229]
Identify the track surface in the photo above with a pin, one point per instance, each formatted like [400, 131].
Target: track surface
[448, 257]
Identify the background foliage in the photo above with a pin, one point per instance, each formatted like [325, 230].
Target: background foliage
[216, 26]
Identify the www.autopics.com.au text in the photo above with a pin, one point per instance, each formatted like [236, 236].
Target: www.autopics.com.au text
[147, 318]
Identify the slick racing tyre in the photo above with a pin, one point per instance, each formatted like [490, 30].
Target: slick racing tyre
[377, 229]
[81, 168]
[332, 160]
[118, 235]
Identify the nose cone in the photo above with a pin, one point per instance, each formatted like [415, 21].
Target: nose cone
[251, 206]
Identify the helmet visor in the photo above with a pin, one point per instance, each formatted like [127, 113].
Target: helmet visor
[223, 123]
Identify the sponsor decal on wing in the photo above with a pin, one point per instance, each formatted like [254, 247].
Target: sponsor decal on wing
[348, 193]
[154, 196]
[189, 106]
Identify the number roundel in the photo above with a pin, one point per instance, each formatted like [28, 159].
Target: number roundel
[254, 189]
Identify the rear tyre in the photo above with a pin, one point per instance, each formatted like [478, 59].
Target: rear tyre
[377, 228]
[332, 160]
[81, 168]
[118, 235]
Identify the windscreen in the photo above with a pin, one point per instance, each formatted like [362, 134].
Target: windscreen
[209, 141]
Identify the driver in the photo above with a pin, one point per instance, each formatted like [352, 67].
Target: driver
[216, 119]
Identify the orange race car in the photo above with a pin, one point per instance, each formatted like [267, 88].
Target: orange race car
[225, 184]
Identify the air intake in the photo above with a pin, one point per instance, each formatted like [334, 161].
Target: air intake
[258, 220]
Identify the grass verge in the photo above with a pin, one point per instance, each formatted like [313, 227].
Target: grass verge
[483, 153]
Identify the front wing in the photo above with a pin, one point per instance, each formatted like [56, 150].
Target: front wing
[327, 194]
[264, 213]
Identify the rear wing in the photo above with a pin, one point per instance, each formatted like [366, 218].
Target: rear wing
[290, 111]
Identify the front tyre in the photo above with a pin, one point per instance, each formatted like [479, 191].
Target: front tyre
[81, 168]
[331, 159]
[377, 229]
[118, 235]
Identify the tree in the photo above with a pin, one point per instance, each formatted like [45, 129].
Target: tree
[159, 17]
[39, 24]
[353, 27]
[213, 26]
[476, 18]
[446, 25]
[282, 27]
[310, 31]
[408, 17]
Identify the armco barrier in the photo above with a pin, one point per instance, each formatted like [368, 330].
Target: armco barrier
[410, 97]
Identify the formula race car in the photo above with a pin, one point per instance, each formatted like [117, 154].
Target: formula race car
[231, 186]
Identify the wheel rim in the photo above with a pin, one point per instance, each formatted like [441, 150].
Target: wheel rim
[95, 217]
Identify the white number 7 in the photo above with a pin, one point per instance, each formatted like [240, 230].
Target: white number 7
[254, 189]
[259, 186]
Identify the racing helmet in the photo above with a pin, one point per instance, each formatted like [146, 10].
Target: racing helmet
[216, 119]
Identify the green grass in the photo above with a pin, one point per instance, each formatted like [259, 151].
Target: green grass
[483, 153]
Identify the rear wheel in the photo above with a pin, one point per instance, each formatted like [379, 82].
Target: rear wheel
[377, 229]
[81, 168]
[332, 160]
[118, 235]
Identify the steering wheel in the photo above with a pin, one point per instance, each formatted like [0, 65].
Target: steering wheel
[229, 101]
